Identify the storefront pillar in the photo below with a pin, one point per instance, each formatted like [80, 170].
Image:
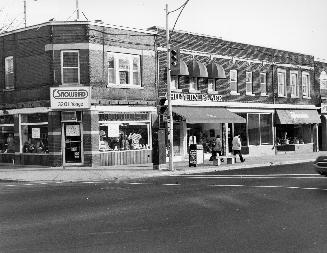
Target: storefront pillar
[226, 139]
[91, 138]
[55, 138]
[184, 139]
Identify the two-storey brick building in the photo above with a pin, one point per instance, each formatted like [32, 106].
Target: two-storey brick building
[268, 96]
[77, 93]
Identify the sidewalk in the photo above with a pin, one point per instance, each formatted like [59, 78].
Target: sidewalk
[9, 172]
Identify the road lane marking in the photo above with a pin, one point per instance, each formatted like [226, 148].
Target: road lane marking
[268, 186]
[171, 184]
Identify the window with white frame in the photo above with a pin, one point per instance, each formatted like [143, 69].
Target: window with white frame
[211, 85]
[233, 81]
[263, 83]
[306, 84]
[174, 82]
[70, 69]
[124, 69]
[281, 83]
[249, 83]
[323, 80]
[294, 84]
[9, 73]
[194, 83]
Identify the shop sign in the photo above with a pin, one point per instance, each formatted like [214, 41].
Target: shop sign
[299, 115]
[324, 108]
[70, 97]
[196, 97]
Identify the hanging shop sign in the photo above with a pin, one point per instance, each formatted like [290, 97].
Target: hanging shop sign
[70, 97]
[196, 97]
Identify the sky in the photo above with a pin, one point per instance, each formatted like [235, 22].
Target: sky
[294, 25]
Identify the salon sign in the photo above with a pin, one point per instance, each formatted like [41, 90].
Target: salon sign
[70, 97]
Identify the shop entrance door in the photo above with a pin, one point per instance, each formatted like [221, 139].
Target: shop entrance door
[72, 143]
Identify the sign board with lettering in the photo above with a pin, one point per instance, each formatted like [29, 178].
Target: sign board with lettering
[196, 97]
[70, 97]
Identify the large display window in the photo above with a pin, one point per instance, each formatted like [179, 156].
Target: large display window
[124, 131]
[7, 144]
[124, 136]
[260, 129]
[34, 133]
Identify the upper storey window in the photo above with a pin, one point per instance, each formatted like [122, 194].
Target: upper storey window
[281, 83]
[9, 73]
[233, 82]
[124, 69]
[70, 69]
[294, 84]
[306, 84]
[249, 83]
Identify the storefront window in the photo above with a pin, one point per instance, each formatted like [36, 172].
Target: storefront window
[266, 129]
[119, 137]
[7, 144]
[260, 129]
[254, 129]
[34, 133]
[294, 134]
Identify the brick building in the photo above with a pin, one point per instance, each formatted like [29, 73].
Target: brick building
[268, 96]
[77, 93]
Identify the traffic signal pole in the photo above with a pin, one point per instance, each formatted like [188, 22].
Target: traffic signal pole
[170, 111]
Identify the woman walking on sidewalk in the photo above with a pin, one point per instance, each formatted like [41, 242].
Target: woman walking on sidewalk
[237, 147]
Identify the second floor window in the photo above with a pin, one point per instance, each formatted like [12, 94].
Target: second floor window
[124, 69]
[233, 81]
[9, 73]
[194, 83]
[306, 84]
[281, 83]
[174, 82]
[211, 85]
[249, 84]
[263, 83]
[70, 67]
[294, 84]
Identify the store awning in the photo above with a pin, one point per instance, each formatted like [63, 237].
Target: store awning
[207, 115]
[197, 69]
[297, 117]
[181, 70]
[215, 71]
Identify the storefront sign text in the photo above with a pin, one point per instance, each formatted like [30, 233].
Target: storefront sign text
[196, 97]
[70, 97]
[299, 115]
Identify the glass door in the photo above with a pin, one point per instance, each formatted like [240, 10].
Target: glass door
[72, 143]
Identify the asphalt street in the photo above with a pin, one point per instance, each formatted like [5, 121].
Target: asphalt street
[267, 209]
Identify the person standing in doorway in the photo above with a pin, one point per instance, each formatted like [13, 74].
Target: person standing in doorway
[236, 146]
[217, 149]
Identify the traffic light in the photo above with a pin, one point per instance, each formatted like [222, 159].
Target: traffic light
[174, 56]
[162, 106]
[162, 111]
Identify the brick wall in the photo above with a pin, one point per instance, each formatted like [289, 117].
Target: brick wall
[242, 57]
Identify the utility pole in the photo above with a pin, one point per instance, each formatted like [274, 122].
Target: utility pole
[77, 11]
[170, 122]
[25, 13]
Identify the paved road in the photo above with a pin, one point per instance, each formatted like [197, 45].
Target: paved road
[271, 209]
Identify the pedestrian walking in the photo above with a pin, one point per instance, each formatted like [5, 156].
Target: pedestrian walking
[236, 146]
[217, 148]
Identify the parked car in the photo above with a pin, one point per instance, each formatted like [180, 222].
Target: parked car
[320, 165]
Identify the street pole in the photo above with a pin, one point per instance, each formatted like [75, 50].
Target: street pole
[77, 11]
[25, 13]
[170, 112]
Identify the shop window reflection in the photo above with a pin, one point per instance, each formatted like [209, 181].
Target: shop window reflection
[120, 137]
